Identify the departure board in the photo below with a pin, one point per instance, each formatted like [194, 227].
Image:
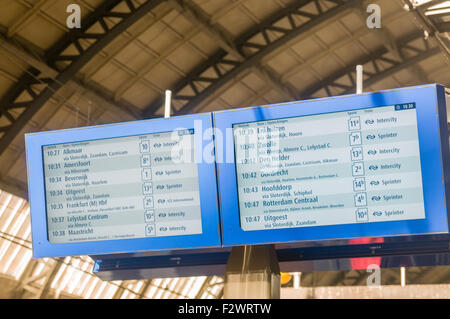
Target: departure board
[124, 187]
[360, 166]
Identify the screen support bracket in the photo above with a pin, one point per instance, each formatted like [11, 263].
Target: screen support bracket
[252, 272]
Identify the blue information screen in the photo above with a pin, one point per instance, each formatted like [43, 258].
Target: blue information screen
[122, 188]
[359, 166]
[125, 187]
[354, 166]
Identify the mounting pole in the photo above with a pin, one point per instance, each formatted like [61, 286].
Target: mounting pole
[167, 104]
[252, 272]
[359, 79]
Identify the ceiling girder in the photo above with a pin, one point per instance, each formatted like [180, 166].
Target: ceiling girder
[30, 283]
[433, 25]
[144, 288]
[200, 18]
[30, 84]
[204, 287]
[222, 67]
[120, 290]
[50, 276]
[95, 94]
[380, 61]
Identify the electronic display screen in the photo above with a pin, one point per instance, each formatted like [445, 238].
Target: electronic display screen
[359, 166]
[123, 187]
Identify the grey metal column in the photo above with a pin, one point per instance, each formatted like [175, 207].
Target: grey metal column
[252, 272]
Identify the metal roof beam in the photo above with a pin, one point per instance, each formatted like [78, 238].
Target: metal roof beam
[226, 68]
[67, 65]
[382, 33]
[96, 94]
[120, 290]
[200, 18]
[129, 38]
[338, 79]
[145, 286]
[29, 282]
[340, 44]
[390, 42]
[429, 27]
[203, 288]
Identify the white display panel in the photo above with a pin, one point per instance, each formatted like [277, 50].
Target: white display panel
[126, 187]
[337, 168]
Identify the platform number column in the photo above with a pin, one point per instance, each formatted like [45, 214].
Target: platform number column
[358, 173]
[147, 188]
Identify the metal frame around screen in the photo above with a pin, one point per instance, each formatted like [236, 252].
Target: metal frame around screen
[434, 154]
[210, 236]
